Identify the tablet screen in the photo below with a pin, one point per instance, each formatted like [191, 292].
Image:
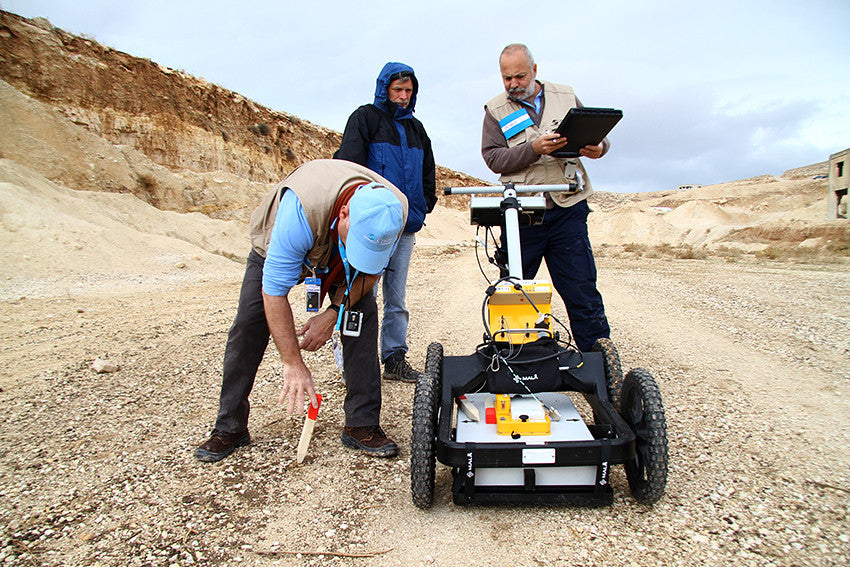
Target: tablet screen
[585, 126]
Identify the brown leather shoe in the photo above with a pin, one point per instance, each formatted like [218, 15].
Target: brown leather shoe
[221, 444]
[371, 439]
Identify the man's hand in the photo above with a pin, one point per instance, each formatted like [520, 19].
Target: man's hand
[592, 152]
[547, 143]
[297, 380]
[297, 386]
[317, 330]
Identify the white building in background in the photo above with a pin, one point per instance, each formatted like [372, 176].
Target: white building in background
[686, 187]
[839, 182]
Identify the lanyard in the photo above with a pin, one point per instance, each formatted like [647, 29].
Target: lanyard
[315, 269]
[349, 279]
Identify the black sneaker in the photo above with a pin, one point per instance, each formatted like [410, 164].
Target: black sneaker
[221, 444]
[396, 367]
[371, 439]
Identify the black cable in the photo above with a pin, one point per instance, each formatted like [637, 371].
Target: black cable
[490, 291]
[478, 257]
[488, 333]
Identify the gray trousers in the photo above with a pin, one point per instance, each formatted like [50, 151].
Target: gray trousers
[249, 337]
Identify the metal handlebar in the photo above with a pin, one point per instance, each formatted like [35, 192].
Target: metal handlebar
[510, 212]
[491, 189]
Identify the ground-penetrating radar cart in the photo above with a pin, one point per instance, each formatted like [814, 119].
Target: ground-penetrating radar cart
[503, 417]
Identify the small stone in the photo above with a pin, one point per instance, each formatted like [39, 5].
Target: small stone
[102, 366]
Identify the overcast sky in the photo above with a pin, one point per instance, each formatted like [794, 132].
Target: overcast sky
[710, 91]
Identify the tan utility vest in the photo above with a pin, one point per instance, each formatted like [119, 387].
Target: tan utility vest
[547, 170]
[318, 184]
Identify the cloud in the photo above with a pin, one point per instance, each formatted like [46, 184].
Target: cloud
[688, 137]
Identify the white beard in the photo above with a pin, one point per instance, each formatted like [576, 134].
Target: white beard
[519, 94]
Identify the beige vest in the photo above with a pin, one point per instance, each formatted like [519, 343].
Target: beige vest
[318, 184]
[547, 170]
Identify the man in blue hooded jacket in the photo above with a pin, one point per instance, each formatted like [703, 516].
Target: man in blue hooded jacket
[385, 137]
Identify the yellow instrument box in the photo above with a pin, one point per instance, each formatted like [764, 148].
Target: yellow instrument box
[512, 316]
[521, 416]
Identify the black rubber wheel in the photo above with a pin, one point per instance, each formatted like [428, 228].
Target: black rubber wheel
[426, 399]
[644, 413]
[613, 370]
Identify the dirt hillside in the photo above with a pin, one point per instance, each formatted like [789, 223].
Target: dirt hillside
[123, 242]
[183, 124]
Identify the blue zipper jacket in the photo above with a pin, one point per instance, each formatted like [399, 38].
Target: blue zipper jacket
[387, 139]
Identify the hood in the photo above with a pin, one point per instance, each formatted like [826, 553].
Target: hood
[383, 82]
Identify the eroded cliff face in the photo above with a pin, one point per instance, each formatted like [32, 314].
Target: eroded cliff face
[191, 131]
[178, 121]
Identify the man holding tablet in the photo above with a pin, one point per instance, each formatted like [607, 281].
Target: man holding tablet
[517, 142]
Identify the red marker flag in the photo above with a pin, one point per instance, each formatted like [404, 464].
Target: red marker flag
[307, 432]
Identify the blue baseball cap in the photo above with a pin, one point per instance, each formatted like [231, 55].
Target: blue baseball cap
[376, 219]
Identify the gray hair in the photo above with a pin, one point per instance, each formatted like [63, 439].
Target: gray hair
[514, 47]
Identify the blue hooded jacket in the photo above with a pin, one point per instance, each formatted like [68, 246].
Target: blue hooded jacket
[387, 139]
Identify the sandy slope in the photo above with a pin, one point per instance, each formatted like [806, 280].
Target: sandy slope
[54, 240]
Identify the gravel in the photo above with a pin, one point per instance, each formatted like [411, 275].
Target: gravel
[98, 468]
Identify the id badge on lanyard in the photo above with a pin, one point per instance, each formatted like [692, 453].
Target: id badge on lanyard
[349, 321]
[314, 287]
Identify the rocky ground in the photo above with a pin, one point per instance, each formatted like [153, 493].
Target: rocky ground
[97, 469]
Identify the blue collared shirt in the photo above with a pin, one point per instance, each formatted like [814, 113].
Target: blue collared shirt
[538, 102]
[291, 242]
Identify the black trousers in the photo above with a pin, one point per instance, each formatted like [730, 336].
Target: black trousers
[249, 337]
